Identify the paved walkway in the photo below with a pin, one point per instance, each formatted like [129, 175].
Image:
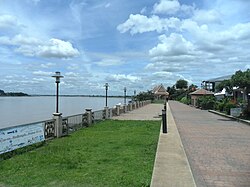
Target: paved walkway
[171, 166]
[148, 112]
[218, 149]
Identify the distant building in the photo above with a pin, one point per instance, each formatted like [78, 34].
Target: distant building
[211, 84]
[160, 92]
[199, 93]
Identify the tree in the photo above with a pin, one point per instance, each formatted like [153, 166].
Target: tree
[2, 92]
[192, 87]
[180, 84]
[145, 96]
[227, 84]
[241, 79]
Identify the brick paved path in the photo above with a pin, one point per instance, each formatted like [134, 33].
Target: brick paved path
[217, 148]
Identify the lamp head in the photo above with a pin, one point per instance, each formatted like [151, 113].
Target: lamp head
[57, 76]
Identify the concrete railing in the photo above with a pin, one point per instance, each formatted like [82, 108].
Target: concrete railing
[60, 126]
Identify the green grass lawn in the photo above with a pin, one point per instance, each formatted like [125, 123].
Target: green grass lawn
[111, 153]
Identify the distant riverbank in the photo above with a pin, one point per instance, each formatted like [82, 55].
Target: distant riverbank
[12, 94]
[80, 96]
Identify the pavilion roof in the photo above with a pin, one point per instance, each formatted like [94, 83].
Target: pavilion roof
[202, 92]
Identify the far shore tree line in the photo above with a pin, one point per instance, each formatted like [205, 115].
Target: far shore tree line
[180, 91]
[2, 93]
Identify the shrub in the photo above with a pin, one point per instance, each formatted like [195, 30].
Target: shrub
[185, 100]
[228, 106]
[206, 102]
[219, 106]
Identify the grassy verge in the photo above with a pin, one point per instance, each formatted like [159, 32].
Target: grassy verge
[111, 153]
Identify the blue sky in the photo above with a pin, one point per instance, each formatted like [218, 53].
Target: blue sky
[137, 44]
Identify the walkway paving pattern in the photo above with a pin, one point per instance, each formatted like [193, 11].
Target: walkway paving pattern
[148, 112]
[218, 149]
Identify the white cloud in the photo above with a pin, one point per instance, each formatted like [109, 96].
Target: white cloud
[57, 49]
[71, 74]
[47, 65]
[140, 24]
[143, 11]
[39, 79]
[110, 62]
[122, 77]
[25, 40]
[30, 46]
[8, 21]
[166, 7]
[172, 7]
[73, 67]
[207, 16]
[43, 73]
[174, 45]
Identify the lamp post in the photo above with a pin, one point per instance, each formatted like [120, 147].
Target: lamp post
[134, 94]
[125, 90]
[106, 88]
[57, 76]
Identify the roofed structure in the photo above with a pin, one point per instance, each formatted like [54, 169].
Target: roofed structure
[202, 92]
[160, 92]
[199, 93]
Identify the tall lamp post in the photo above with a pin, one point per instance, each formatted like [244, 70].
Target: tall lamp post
[106, 88]
[57, 76]
[134, 94]
[125, 90]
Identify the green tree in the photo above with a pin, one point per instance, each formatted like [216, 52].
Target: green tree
[227, 84]
[180, 84]
[241, 79]
[145, 96]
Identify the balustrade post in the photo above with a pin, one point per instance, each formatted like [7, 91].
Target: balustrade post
[125, 108]
[58, 124]
[118, 110]
[130, 106]
[106, 109]
[89, 116]
[110, 113]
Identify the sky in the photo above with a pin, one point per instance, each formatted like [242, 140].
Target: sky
[126, 43]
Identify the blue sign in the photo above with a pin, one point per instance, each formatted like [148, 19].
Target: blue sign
[20, 136]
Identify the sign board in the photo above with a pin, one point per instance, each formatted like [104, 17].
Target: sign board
[235, 112]
[20, 136]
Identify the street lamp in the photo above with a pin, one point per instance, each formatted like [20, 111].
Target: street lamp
[57, 76]
[125, 90]
[134, 94]
[106, 88]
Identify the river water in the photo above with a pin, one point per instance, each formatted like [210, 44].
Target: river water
[22, 110]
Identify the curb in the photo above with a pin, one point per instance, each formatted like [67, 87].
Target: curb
[231, 117]
[171, 166]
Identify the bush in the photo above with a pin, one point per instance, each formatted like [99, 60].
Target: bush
[185, 100]
[219, 106]
[228, 106]
[206, 102]
[225, 105]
